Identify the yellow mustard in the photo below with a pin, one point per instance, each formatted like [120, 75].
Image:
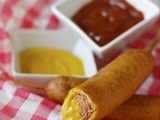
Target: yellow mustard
[50, 61]
[71, 109]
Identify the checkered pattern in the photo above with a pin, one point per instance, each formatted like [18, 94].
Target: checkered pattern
[16, 102]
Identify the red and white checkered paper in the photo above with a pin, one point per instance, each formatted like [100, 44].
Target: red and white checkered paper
[18, 103]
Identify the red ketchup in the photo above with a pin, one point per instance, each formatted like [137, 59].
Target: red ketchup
[104, 20]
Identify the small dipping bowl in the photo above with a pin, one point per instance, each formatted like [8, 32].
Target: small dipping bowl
[62, 39]
[66, 9]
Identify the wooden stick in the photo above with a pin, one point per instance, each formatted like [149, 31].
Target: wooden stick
[22, 83]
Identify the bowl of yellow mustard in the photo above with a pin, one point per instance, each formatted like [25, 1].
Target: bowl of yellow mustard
[40, 55]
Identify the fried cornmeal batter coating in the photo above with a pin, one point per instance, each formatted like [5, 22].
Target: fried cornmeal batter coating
[110, 87]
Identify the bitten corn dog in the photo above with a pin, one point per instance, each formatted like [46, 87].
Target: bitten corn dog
[110, 87]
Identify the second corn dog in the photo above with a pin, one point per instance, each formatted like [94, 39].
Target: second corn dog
[138, 107]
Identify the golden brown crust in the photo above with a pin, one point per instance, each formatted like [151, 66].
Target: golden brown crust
[116, 82]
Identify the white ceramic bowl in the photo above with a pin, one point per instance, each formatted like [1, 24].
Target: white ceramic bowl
[65, 10]
[60, 39]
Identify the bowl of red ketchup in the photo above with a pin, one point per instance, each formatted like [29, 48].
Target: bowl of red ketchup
[106, 25]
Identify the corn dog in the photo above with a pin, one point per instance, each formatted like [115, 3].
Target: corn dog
[138, 107]
[110, 87]
[57, 89]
